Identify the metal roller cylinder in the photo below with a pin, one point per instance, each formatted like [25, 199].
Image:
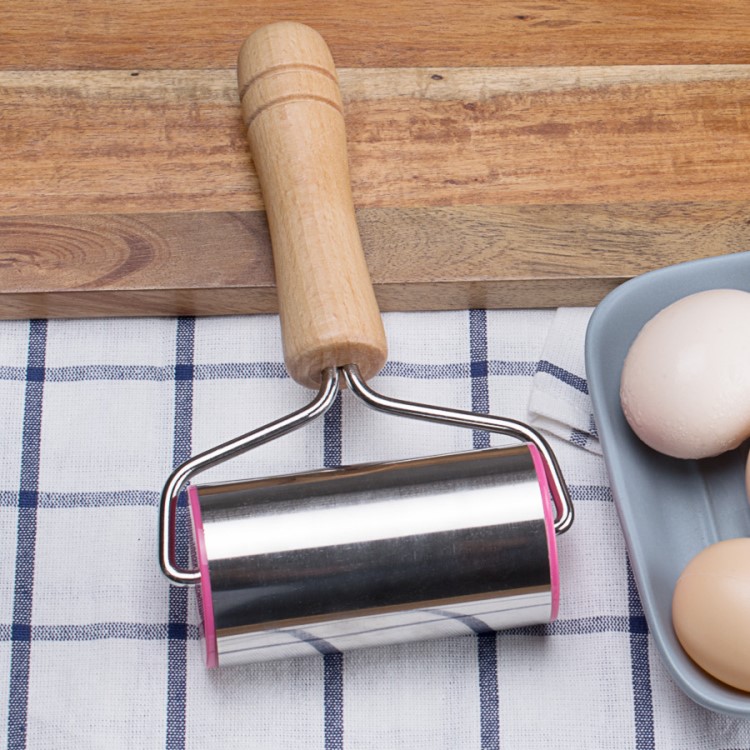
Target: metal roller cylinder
[374, 554]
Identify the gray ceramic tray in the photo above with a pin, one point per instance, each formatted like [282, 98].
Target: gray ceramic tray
[669, 509]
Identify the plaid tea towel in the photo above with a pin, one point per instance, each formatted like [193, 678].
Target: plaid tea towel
[98, 650]
[560, 402]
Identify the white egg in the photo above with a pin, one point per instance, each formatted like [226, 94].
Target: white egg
[685, 387]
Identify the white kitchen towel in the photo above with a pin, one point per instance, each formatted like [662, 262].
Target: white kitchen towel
[98, 650]
[559, 401]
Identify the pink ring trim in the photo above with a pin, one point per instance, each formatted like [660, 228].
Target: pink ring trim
[204, 587]
[540, 467]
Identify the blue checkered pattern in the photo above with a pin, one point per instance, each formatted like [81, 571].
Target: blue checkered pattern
[97, 650]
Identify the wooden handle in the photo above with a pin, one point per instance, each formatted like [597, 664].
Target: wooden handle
[292, 109]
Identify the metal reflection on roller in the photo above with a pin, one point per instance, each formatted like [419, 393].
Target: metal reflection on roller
[374, 554]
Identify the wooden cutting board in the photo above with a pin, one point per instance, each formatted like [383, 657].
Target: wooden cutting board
[503, 153]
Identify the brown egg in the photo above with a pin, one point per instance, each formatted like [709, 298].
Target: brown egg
[711, 611]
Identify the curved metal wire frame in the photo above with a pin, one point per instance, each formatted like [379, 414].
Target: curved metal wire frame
[317, 407]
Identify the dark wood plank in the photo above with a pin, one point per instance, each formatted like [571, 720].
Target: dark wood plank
[420, 258]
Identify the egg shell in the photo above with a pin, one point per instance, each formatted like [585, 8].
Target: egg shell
[685, 385]
[711, 611]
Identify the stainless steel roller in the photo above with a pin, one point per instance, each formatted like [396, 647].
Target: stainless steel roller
[361, 555]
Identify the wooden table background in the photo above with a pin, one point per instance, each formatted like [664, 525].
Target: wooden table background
[503, 154]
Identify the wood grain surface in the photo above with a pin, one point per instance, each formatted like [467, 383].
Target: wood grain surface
[419, 258]
[200, 34]
[525, 154]
[174, 140]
